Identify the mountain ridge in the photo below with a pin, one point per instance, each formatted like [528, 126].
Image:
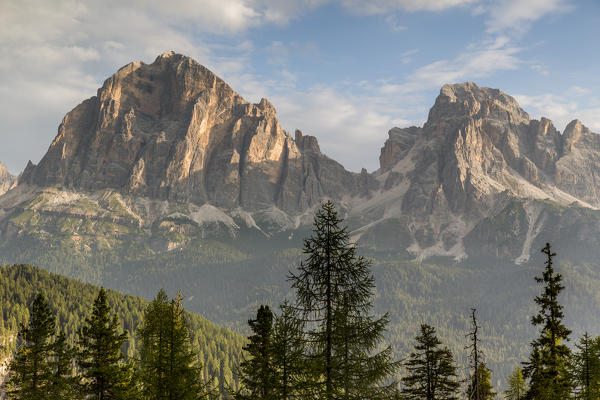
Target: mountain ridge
[173, 130]
[171, 147]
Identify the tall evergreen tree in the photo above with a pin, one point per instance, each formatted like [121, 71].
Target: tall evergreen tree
[168, 365]
[334, 289]
[64, 385]
[258, 376]
[431, 373]
[547, 368]
[585, 369]
[30, 373]
[480, 386]
[100, 358]
[517, 387]
[288, 346]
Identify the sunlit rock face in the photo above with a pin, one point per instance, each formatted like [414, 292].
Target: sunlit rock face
[173, 130]
[6, 179]
[477, 152]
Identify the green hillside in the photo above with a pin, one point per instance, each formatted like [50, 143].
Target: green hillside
[218, 347]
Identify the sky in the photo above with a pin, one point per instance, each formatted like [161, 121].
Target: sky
[345, 71]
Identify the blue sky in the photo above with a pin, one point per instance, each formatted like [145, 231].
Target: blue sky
[345, 71]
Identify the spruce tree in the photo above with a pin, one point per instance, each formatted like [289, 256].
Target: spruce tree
[431, 373]
[30, 373]
[585, 369]
[258, 376]
[480, 386]
[168, 366]
[547, 368]
[100, 358]
[63, 386]
[517, 387]
[288, 347]
[334, 290]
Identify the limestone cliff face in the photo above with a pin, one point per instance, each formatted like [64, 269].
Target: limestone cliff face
[476, 152]
[6, 179]
[173, 130]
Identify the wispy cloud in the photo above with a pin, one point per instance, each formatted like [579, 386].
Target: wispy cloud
[373, 7]
[478, 60]
[562, 110]
[517, 16]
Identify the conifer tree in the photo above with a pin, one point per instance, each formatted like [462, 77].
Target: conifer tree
[168, 365]
[258, 376]
[517, 388]
[100, 358]
[30, 373]
[431, 370]
[63, 385]
[482, 388]
[585, 369]
[288, 346]
[334, 289]
[547, 368]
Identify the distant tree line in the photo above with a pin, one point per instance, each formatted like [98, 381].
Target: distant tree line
[326, 344]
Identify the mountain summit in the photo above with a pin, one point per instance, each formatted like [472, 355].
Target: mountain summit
[6, 179]
[173, 130]
[477, 154]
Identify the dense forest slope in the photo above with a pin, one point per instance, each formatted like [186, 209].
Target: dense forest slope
[219, 348]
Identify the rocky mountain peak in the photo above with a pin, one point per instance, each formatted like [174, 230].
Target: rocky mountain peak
[6, 179]
[467, 100]
[174, 130]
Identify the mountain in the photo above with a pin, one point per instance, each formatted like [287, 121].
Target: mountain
[71, 301]
[480, 158]
[6, 179]
[168, 178]
[173, 130]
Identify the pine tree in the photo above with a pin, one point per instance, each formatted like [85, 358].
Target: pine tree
[431, 370]
[30, 372]
[480, 387]
[100, 358]
[517, 388]
[168, 366]
[258, 376]
[288, 353]
[63, 386]
[547, 368]
[334, 290]
[585, 369]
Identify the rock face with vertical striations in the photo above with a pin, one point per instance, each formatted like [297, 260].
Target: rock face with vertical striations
[476, 155]
[6, 179]
[173, 130]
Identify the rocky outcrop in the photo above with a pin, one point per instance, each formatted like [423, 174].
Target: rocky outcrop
[173, 130]
[7, 181]
[476, 152]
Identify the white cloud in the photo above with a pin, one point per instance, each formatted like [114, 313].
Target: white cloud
[373, 7]
[350, 128]
[561, 110]
[516, 16]
[477, 61]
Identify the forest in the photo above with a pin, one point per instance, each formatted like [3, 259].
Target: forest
[69, 340]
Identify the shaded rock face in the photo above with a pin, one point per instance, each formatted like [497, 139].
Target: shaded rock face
[173, 130]
[7, 181]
